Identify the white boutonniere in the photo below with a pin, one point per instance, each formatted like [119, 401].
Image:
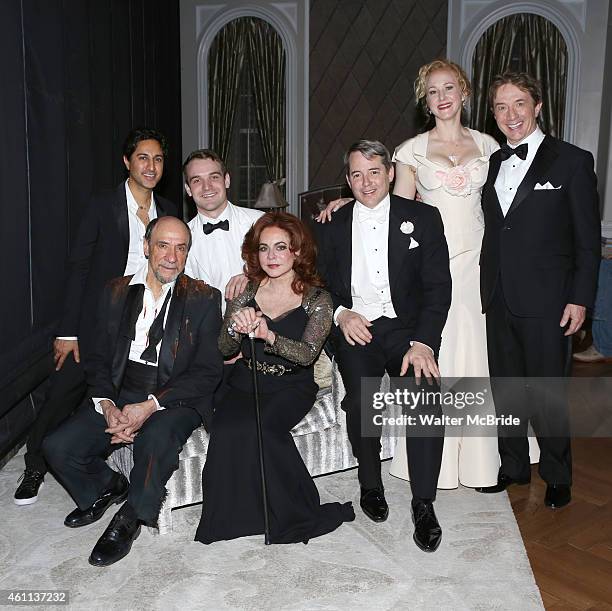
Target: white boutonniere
[407, 227]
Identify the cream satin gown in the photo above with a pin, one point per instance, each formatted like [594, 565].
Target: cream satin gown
[455, 191]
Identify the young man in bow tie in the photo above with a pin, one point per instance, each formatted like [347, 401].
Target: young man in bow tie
[539, 263]
[385, 262]
[219, 227]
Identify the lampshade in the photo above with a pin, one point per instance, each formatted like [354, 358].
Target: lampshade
[270, 197]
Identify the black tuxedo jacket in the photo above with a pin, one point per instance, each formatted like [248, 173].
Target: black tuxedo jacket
[419, 277]
[190, 365]
[546, 250]
[99, 253]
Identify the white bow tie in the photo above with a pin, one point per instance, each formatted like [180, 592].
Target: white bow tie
[365, 214]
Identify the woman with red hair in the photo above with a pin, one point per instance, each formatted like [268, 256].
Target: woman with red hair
[290, 316]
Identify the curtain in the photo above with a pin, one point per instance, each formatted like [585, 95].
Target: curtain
[267, 71]
[545, 57]
[225, 62]
[493, 55]
[527, 43]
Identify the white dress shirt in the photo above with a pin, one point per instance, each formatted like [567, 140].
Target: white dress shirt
[512, 171]
[216, 257]
[370, 288]
[136, 258]
[150, 308]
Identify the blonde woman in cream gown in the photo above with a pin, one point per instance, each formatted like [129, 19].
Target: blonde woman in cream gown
[455, 191]
[448, 166]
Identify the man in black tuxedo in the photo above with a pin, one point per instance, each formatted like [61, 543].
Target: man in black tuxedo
[151, 380]
[385, 263]
[108, 244]
[539, 264]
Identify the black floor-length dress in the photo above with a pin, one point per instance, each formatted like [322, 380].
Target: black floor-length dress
[231, 479]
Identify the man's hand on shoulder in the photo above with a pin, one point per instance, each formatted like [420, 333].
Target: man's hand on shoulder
[421, 357]
[354, 327]
[236, 286]
[575, 315]
[62, 348]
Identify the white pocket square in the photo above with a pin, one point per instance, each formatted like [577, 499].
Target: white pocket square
[545, 187]
[413, 243]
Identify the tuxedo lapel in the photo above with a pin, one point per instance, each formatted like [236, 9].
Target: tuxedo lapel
[489, 193]
[543, 159]
[172, 329]
[161, 211]
[121, 217]
[344, 248]
[399, 244]
[132, 307]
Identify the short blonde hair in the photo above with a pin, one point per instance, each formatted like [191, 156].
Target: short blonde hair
[420, 89]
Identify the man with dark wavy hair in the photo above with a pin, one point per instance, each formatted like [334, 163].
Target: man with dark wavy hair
[108, 243]
[539, 263]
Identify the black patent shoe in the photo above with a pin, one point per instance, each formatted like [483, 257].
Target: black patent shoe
[116, 494]
[116, 541]
[503, 481]
[374, 504]
[28, 489]
[557, 495]
[427, 531]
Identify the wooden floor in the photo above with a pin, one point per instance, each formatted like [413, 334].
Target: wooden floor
[570, 549]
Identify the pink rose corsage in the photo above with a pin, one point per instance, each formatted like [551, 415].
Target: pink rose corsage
[456, 180]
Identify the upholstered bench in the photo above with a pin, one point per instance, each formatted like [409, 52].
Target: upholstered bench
[320, 437]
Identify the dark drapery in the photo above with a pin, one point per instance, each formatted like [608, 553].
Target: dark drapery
[267, 71]
[77, 76]
[225, 63]
[528, 43]
[251, 42]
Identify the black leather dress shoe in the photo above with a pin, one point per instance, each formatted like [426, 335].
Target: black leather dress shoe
[427, 531]
[557, 495]
[503, 481]
[116, 494]
[116, 541]
[374, 504]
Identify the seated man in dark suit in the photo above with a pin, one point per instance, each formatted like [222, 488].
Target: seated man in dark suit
[151, 380]
[108, 244]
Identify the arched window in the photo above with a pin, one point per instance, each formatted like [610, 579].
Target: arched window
[246, 104]
[522, 42]
[201, 22]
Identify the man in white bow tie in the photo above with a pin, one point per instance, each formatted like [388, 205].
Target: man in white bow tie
[539, 263]
[385, 262]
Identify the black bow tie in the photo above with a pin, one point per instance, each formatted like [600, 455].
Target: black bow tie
[210, 227]
[507, 151]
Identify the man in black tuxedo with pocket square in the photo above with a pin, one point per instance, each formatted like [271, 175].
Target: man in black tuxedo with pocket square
[151, 377]
[108, 243]
[385, 262]
[539, 266]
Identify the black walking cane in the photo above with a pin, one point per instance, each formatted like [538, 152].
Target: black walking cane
[264, 490]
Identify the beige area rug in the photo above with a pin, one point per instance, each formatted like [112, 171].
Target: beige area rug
[481, 563]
